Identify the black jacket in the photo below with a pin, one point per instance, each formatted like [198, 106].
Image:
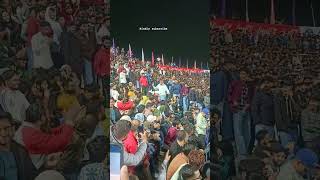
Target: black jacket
[262, 109]
[287, 113]
[26, 169]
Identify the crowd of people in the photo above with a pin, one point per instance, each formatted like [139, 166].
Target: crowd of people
[265, 89]
[160, 118]
[54, 59]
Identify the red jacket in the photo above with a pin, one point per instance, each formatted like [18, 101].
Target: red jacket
[235, 93]
[131, 143]
[124, 106]
[33, 27]
[144, 81]
[171, 136]
[38, 142]
[101, 62]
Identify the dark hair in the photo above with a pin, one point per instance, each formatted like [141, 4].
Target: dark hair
[189, 128]
[215, 111]
[175, 123]
[8, 75]
[2, 82]
[33, 113]
[251, 165]
[188, 148]
[141, 108]
[45, 24]
[122, 128]
[92, 88]
[7, 116]
[261, 135]
[196, 159]
[181, 135]
[186, 172]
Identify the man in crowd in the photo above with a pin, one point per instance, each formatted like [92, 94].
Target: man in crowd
[40, 44]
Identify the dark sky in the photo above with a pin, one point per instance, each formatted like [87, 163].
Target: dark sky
[186, 20]
[259, 9]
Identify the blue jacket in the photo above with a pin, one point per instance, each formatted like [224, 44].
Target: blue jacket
[219, 87]
[175, 88]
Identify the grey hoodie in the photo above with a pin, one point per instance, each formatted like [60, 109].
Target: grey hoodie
[130, 159]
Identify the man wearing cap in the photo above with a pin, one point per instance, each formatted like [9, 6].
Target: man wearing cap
[297, 168]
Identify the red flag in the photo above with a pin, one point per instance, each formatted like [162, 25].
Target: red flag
[152, 60]
[272, 16]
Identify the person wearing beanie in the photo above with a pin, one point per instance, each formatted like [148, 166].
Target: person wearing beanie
[297, 168]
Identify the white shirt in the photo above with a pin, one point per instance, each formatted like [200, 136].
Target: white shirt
[14, 102]
[41, 51]
[162, 89]
[114, 94]
[122, 78]
[102, 31]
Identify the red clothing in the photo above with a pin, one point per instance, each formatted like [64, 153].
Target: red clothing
[120, 69]
[235, 92]
[144, 81]
[171, 136]
[38, 142]
[101, 64]
[33, 27]
[131, 143]
[124, 106]
[184, 90]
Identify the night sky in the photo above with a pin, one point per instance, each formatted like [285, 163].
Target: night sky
[259, 9]
[186, 20]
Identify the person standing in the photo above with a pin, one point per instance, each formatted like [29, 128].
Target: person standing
[15, 162]
[239, 101]
[163, 90]
[87, 49]
[32, 28]
[40, 44]
[70, 48]
[263, 109]
[144, 84]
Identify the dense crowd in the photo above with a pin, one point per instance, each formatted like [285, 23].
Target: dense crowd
[160, 118]
[54, 59]
[265, 86]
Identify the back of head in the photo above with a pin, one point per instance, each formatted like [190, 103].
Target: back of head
[186, 172]
[188, 148]
[196, 159]
[189, 128]
[181, 135]
[261, 135]
[175, 123]
[121, 129]
[50, 175]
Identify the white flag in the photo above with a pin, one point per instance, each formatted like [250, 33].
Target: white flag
[142, 55]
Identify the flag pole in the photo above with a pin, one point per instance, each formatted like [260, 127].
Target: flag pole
[294, 12]
[312, 11]
[272, 16]
[247, 11]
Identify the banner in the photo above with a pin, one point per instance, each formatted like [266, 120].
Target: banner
[172, 68]
[251, 26]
